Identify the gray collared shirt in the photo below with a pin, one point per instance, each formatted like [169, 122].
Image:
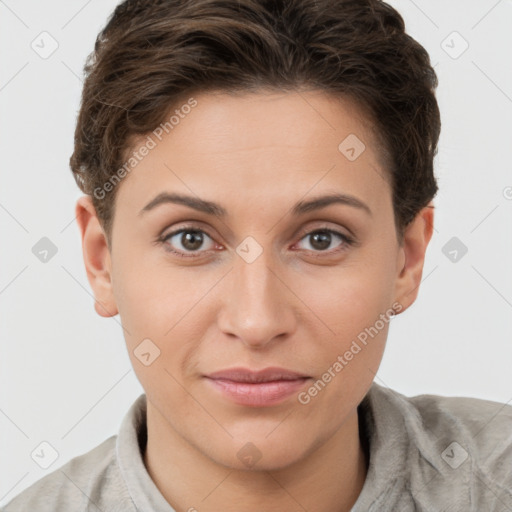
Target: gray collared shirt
[428, 453]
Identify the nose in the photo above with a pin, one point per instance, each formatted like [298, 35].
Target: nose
[259, 305]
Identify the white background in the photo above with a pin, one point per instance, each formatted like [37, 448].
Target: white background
[65, 376]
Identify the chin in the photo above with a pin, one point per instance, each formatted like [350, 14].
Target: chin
[258, 454]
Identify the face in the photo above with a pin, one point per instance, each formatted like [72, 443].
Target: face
[261, 279]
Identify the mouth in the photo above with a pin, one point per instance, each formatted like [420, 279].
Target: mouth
[266, 387]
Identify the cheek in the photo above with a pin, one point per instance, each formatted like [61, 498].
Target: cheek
[156, 328]
[148, 295]
[347, 359]
[167, 306]
[350, 298]
[355, 349]
[350, 304]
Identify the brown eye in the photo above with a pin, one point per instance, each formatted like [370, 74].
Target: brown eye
[321, 240]
[186, 240]
[191, 240]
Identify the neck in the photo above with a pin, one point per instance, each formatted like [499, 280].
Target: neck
[328, 478]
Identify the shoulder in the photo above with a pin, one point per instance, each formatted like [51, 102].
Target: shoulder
[475, 414]
[463, 445]
[90, 481]
[484, 427]
[483, 423]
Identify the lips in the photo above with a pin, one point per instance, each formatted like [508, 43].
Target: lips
[265, 375]
[262, 388]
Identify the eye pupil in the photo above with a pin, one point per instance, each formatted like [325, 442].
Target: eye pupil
[322, 237]
[195, 239]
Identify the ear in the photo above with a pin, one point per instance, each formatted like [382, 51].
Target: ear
[411, 256]
[96, 255]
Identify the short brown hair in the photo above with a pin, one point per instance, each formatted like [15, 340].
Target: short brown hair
[151, 54]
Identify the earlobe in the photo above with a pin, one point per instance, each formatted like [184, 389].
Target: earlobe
[96, 256]
[411, 256]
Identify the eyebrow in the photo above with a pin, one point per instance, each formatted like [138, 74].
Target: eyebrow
[217, 210]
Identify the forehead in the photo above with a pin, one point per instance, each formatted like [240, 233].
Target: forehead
[259, 146]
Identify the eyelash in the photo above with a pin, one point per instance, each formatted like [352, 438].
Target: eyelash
[347, 241]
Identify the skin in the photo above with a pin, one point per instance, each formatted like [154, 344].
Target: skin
[256, 155]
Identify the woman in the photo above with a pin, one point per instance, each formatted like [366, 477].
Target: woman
[259, 184]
